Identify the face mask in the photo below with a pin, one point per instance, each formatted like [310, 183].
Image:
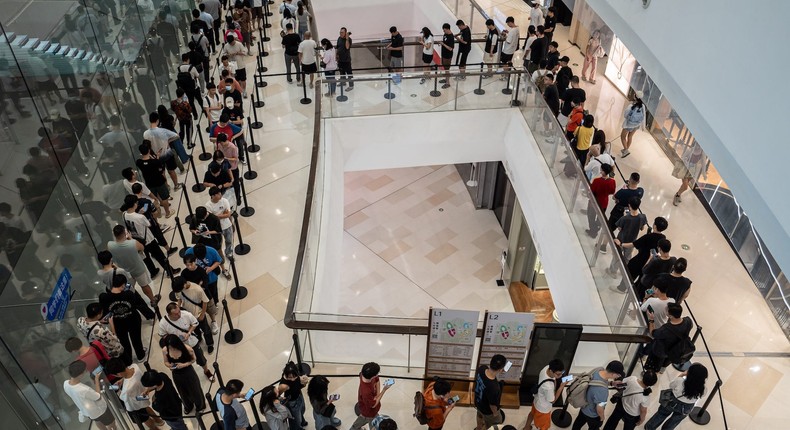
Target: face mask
[227, 87]
[185, 98]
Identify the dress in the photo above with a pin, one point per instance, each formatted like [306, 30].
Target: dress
[187, 383]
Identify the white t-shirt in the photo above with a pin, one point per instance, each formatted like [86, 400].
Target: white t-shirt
[137, 225]
[536, 17]
[307, 49]
[217, 208]
[677, 389]
[528, 43]
[545, 397]
[214, 102]
[593, 168]
[128, 186]
[429, 49]
[185, 322]
[660, 315]
[88, 401]
[633, 399]
[131, 388]
[329, 59]
[511, 41]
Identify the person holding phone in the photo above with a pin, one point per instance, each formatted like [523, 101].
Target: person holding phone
[592, 414]
[131, 388]
[369, 395]
[277, 415]
[634, 401]
[159, 388]
[488, 392]
[323, 405]
[547, 394]
[234, 416]
[87, 399]
[656, 308]
[290, 386]
[437, 403]
[179, 357]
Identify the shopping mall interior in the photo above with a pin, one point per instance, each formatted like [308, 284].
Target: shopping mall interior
[367, 209]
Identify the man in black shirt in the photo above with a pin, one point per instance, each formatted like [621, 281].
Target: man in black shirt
[537, 51]
[396, 50]
[448, 43]
[551, 95]
[564, 75]
[343, 48]
[674, 283]
[216, 175]
[549, 24]
[488, 393]
[153, 171]
[291, 43]
[206, 228]
[165, 398]
[571, 94]
[644, 246]
[464, 46]
[552, 55]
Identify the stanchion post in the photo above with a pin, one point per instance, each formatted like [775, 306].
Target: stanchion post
[389, 95]
[516, 101]
[262, 33]
[199, 418]
[198, 187]
[700, 415]
[252, 147]
[190, 214]
[250, 174]
[246, 211]
[479, 90]
[561, 417]
[507, 89]
[184, 245]
[262, 53]
[305, 100]
[212, 406]
[257, 124]
[258, 424]
[258, 103]
[242, 248]
[205, 155]
[260, 83]
[258, 62]
[217, 372]
[232, 336]
[238, 292]
[435, 92]
[342, 97]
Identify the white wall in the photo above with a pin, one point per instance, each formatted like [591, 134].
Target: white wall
[722, 65]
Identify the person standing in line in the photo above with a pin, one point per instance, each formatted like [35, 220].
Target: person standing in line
[165, 399]
[232, 413]
[488, 392]
[236, 52]
[126, 307]
[163, 142]
[183, 324]
[510, 45]
[110, 269]
[532, 35]
[646, 247]
[621, 199]
[584, 136]
[546, 396]
[96, 328]
[634, 401]
[131, 387]
[550, 24]
[126, 252]
[291, 44]
[187, 78]
[592, 52]
[257, 14]
[306, 52]
[662, 350]
[303, 17]
[211, 35]
[464, 38]
[426, 40]
[537, 51]
[344, 58]
[552, 55]
[536, 14]
[687, 389]
[220, 207]
[448, 44]
[655, 306]
[139, 227]
[153, 171]
[87, 399]
[564, 75]
[179, 357]
[602, 187]
[191, 298]
[490, 48]
[231, 153]
[210, 261]
[436, 405]
[213, 8]
[329, 58]
[208, 230]
[244, 17]
[657, 264]
[287, 4]
[183, 110]
[277, 415]
[634, 119]
[395, 47]
[324, 409]
[369, 395]
[592, 414]
[674, 283]
[627, 229]
[290, 386]
[595, 159]
[214, 105]
[552, 96]
[575, 92]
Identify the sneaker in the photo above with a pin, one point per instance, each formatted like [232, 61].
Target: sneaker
[243, 95]
[154, 273]
[245, 162]
[145, 353]
[327, 94]
[214, 328]
[603, 249]
[349, 88]
[168, 215]
[616, 289]
[487, 76]
[591, 233]
[209, 375]
[676, 200]
[178, 186]
[625, 153]
[172, 250]
[226, 274]
[210, 349]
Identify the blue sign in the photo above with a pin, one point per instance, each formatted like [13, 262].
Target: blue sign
[55, 309]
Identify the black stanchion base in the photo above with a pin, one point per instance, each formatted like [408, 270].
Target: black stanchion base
[256, 125]
[258, 104]
[507, 91]
[238, 293]
[234, 336]
[198, 188]
[341, 98]
[701, 419]
[561, 418]
[435, 93]
[204, 156]
[262, 84]
[250, 175]
[242, 249]
[479, 91]
[515, 103]
[253, 148]
[216, 426]
[389, 96]
[247, 211]
[266, 39]
[306, 101]
[263, 69]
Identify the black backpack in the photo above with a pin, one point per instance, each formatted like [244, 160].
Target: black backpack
[184, 79]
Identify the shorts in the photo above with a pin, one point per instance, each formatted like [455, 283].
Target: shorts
[139, 416]
[490, 420]
[462, 57]
[161, 191]
[542, 420]
[106, 418]
[506, 58]
[144, 278]
[241, 74]
[396, 62]
[170, 162]
[427, 58]
[446, 63]
[309, 68]
[257, 12]
[490, 58]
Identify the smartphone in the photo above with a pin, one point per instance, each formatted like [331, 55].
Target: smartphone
[141, 398]
[508, 365]
[453, 399]
[249, 394]
[649, 292]
[97, 370]
[334, 397]
[389, 382]
[79, 237]
[568, 378]
[174, 366]
[114, 388]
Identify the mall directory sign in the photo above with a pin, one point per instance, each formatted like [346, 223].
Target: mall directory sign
[451, 342]
[507, 333]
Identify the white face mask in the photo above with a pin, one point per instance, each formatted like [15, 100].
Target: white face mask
[227, 87]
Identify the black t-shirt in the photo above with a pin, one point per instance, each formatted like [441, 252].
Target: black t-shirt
[219, 180]
[563, 79]
[552, 97]
[234, 114]
[537, 49]
[211, 223]
[674, 286]
[448, 40]
[294, 389]
[623, 196]
[291, 43]
[153, 171]
[125, 305]
[235, 95]
[490, 41]
[166, 400]
[466, 36]
[487, 392]
[550, 22]
[643, 245]
[569, 96]
[552, 59]
[343, 54]
[397, 42]
[133, 113]
[197, 276]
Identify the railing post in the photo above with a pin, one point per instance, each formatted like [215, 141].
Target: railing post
[184, 245]
[258, 103]
[232, 336]
[435, 92]
[305, 100]
[188, 218]
[342, 97]
[561, 417]
[242, 248]
[507, 90]
[516, 101]
[198, 187]
[479, 90]
[389, 95]
[205, 155]
[246, 211]
[700, 415]
[217, 425]
[237, 292]
[256, 124]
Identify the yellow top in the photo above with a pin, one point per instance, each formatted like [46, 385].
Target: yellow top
[584, 136]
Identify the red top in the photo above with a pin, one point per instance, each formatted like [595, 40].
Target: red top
[434, 408]
[367, 397]
[602, 188]
[576, 118]
[91, 357]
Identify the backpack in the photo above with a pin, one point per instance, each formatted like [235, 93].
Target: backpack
[199, 47]
[636, 115]
[682, 350]
[185, 80]
[419, 408]
[577, 391]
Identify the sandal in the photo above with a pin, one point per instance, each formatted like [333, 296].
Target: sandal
[209, 375]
